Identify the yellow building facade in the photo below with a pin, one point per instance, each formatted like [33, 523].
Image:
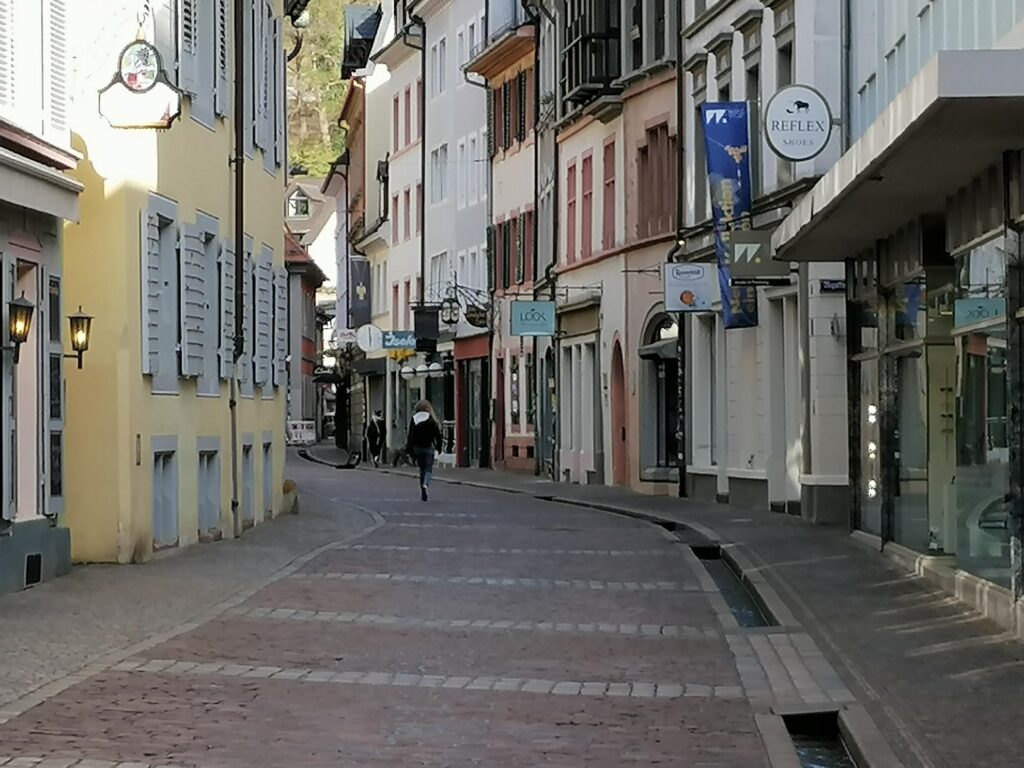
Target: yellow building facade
[149, 439]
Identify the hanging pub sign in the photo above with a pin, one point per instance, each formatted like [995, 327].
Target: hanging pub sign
[798, 123]
[727, 142]
[140, 95]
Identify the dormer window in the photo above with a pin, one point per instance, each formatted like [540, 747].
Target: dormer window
[298, 205]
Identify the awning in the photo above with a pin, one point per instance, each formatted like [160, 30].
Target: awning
[953, 121]
[666, 350]
[37, 187]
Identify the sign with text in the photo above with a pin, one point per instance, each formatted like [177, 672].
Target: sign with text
[532, 318]
[751, 261]
[980, 310]
[399, 340]
[690, 287]
[727, 144]
[798, 123]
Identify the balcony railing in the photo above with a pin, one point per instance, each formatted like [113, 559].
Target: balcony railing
[503, 16]
[592, 56]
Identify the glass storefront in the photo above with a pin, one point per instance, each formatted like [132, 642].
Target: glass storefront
[932, 462]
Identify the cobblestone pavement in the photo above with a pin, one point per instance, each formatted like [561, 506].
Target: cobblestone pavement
[501, 631]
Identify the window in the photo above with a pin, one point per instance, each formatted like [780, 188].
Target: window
[407, 213]
[516, 238]
[659, 29]
[408, 115]
[507, 122]
[753, 91]
[434, 79]
[419, 208]
[636, 33]
[419, 108]
[785, 75]
[657, 171]
[483, 166]
[587, 218]
[395, 109]
[506, 254]
[498, 116]
[395, 307]
[520, 101]
[472, 175]
[165, 499]
[298, 205]
[528, 245]
[472, 39]
[439, 175]
[462, 179]
[442, 65]
[407, 312]
[700, 175]
[394, 218]
[608, 204]
[461, 46]
[570, 214]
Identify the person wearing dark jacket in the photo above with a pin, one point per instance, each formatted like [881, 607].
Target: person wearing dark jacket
[375, 437]
[423, 442]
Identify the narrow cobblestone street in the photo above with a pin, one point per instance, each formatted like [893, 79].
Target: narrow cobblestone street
[479, 629]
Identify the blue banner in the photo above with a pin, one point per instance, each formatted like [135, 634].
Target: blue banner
[727, 138]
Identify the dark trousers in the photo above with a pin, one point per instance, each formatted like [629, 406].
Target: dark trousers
[425, 461]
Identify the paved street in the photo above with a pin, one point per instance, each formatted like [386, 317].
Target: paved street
[480, 629]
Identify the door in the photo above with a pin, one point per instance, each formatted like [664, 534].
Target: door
[248, 478]
[618, 398]
[499, 411]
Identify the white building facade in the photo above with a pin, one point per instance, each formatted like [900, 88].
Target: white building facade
[767, 404]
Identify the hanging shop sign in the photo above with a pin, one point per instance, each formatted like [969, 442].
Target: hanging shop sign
[727, 140]
[690, 287]
[532, 318]
[751, 262]
[399, 340]
[140, 95]
[359, 308]
[832, 286]
[980, 310]
[798, 123]
[477, 316]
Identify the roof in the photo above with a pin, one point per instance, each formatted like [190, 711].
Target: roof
[361, 23]
[297, 260]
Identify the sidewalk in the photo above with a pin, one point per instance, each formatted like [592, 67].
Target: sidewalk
[942, 682]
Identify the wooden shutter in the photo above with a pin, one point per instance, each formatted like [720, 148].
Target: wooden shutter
[264, 315]
[492, 271]
[188, 31]
[280, 326]
[222, 51]
[192, 297]
[491, 98]
[227, 310]
[7, 34]
[280, 95]
[152, 292]
[248, 330]
[517, 233]
[56, 69]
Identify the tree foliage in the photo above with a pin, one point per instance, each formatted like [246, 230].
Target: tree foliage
[316, 90]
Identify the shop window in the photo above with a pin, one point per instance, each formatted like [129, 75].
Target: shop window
[659, 396]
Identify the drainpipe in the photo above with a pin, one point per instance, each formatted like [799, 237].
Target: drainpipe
[678, 253]
[239, 171]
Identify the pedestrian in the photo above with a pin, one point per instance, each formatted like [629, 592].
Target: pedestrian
[423, 442]
[375, 437]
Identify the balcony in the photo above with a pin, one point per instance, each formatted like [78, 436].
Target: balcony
[508, 37]
[503, 16]
[592, 55]
[361, 24]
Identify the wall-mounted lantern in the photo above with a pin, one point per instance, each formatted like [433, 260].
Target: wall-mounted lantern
[81, 330]
[21, 310]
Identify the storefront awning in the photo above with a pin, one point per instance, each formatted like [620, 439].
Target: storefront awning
[37, 187]
[954, 120]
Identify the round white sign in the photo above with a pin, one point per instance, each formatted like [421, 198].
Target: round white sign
[370, 339]
[798, 123]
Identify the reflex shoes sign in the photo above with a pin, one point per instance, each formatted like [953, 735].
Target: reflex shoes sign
[727, 137]
[798, 123]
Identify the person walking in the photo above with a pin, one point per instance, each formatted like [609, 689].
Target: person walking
[375, 437]
[423, 442]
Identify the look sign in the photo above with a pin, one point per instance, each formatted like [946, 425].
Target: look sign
[798, 123]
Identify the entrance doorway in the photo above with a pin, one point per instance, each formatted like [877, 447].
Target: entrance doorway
[618, 397]
[786, 458]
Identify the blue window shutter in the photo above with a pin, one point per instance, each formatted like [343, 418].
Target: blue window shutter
[188, 36]
[192, 293]
[227, 310]
[152, 292]
[166, 31]
[280, 326]
[222, 53]
[246, 361]
[264, 315]
[280, 94]
[248, 101]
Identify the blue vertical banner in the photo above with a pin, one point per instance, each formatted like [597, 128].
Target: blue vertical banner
[727, 139]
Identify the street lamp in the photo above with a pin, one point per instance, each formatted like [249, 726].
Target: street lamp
[20, 323]
[436, 371]
[450, 311]
[407, 373]
[81, 328]
[422, 371]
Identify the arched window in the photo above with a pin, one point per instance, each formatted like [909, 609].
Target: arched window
[659, 448]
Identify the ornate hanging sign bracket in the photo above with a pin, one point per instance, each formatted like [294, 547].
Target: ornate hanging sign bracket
[140, 95]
